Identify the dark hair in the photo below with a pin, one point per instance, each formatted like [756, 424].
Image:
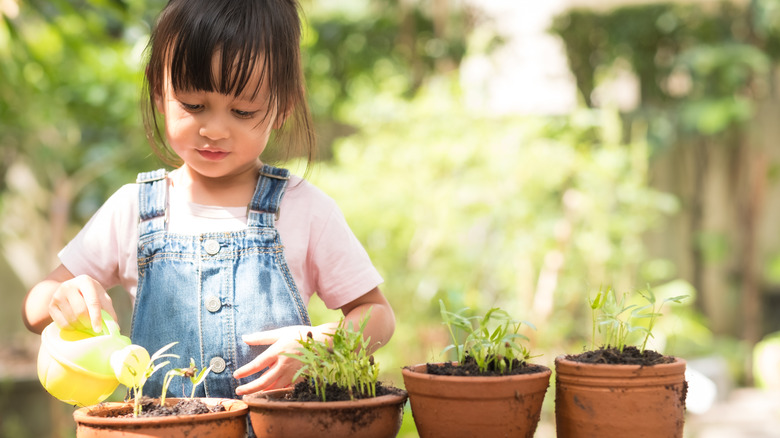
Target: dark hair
[246, 34]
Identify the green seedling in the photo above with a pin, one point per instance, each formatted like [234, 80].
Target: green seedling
[133, 367]
[343, 360]
[617, 320]
[491, 348]
[654, 313]
[610, 312]
[191, 372]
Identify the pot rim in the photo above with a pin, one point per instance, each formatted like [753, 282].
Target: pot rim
[234, 408]
[564, 366]
[418, 371]
[562, 359]
[261, 400]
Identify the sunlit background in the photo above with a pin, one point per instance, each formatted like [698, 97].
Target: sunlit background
[518, 154]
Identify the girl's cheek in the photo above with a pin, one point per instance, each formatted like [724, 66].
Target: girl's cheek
[176, 129]
[180, 122]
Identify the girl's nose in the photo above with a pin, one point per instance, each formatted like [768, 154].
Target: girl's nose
[214, 129]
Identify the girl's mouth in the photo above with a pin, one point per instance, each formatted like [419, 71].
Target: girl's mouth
[212, 155]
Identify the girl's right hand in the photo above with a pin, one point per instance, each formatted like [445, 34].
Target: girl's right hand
[77, 303]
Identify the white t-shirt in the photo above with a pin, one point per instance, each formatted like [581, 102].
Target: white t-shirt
[323, 254]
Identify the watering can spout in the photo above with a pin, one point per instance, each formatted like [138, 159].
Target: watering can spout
[74, 365]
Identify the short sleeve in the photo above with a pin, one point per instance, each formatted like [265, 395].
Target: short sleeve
[324, 255]
[342, 268]
[105, 249]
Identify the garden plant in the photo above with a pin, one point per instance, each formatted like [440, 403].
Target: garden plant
[163, 417]
[339, 395]
[490, 390]
[618, 321]
[493, 350]
[337, 369]
[620, 388]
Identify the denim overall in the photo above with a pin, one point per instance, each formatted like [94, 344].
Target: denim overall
[206, 291]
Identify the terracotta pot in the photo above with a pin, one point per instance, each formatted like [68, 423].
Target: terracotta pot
[376, 417]
[619, 400]
[454, 406]
[96, 422]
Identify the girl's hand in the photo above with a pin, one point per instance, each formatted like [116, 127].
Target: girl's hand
[281, 369]
[77, 303]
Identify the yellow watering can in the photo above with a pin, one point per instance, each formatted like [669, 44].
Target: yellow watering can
[74, 365]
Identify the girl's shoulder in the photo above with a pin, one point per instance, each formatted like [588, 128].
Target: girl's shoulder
[301, 193]
[121, 209]
[124, 199]
[305, 206]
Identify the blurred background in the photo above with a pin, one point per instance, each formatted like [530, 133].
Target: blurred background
[488, 153]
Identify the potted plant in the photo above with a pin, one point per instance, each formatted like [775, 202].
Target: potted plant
[491, 390]
[340, 394]
[163, 417]
[620, 389]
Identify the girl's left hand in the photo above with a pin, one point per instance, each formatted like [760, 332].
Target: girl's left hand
[281, 369]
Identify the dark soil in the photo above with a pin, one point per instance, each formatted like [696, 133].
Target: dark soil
[304, 391]
[629, 356]
[469, 367]
[151, 408]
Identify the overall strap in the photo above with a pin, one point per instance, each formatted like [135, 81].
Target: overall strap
[152, 201]
[264, 208]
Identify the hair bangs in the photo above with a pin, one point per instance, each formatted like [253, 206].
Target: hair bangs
[227, 37]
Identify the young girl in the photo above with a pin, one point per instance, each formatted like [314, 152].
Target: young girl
[223, 253]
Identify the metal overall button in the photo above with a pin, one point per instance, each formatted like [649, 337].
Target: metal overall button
[217, 364]
[211, 246]
[213, 304]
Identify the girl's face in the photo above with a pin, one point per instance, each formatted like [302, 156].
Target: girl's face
[217, 135]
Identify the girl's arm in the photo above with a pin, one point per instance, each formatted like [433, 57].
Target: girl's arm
[381, 323]
[380, 328]
[67, 300]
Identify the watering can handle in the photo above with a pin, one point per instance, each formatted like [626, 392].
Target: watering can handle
[109, 326]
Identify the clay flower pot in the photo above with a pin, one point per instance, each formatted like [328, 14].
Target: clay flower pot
[376, 417]
[97, 421]
[619, 400]
[455, 406]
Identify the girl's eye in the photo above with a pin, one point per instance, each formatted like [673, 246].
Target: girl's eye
[190, 107]
[244, 114]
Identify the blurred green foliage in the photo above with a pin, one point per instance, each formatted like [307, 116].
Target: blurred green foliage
[69, 121]
[69, 98]
[703, 66]
[525, 213]
[358, 50]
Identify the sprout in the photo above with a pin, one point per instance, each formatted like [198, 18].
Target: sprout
[132, 367]
[491, 349]
[345, 361]
[611, 314]
[191, 372]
